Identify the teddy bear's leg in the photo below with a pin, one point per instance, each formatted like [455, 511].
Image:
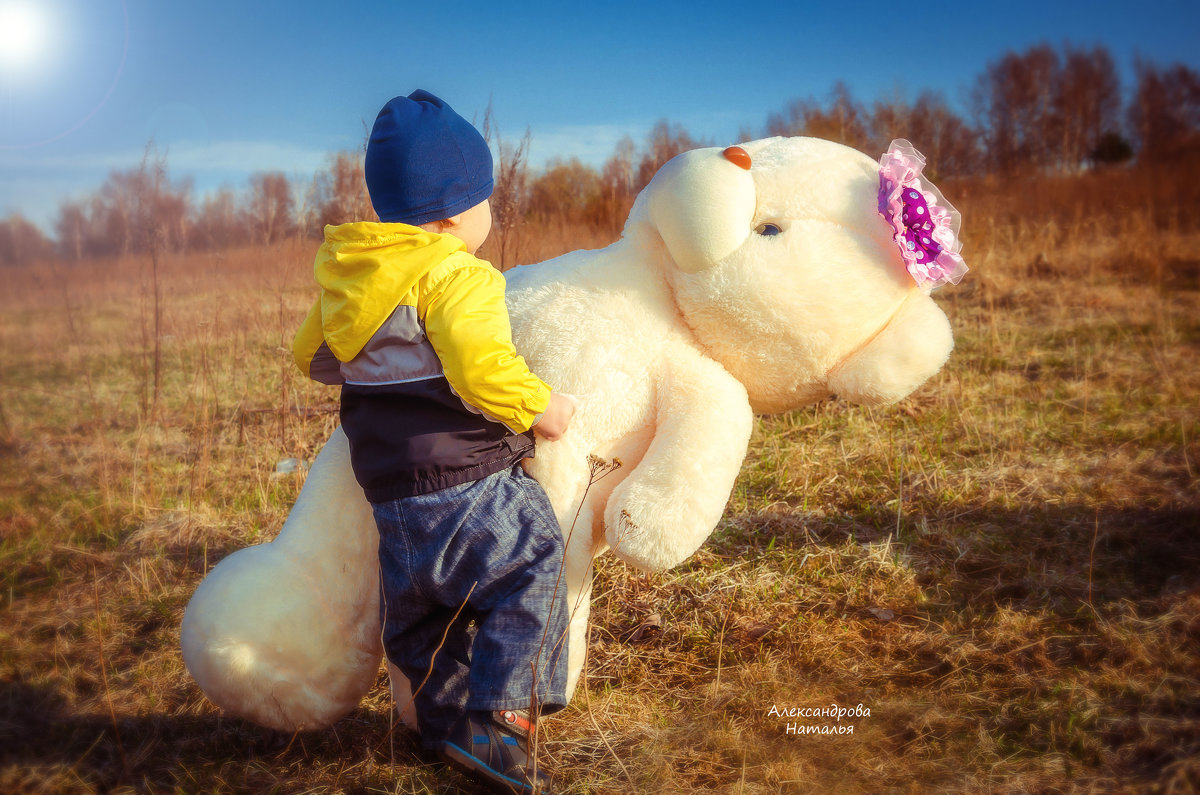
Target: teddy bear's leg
[565, 473]
[287, 633]
[669, 504]
[579, 603]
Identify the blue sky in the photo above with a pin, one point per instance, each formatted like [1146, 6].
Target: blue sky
[227, 88]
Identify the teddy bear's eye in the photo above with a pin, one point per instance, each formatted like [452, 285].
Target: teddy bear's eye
[768, 229]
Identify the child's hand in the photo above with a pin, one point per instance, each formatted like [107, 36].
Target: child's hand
[556, 418]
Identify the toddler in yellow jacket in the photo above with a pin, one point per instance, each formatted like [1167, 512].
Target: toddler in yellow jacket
[439, 410]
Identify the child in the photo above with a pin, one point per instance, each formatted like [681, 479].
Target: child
[438, 408]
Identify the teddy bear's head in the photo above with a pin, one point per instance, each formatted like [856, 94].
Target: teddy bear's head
[788, 275]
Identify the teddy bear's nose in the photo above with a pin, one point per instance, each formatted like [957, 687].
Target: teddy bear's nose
[738, 156]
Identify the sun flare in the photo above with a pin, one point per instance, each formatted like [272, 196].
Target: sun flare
[22, 34]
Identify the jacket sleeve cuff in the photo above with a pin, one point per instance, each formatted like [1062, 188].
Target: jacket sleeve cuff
[536, 405]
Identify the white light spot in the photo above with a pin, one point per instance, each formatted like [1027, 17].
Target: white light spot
[22, 32]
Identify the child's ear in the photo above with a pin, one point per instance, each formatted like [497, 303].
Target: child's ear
[443, 225]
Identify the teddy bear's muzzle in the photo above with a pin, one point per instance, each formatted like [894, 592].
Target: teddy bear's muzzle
[906, 352]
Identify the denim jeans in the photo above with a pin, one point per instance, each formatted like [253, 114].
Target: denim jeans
[494, 548]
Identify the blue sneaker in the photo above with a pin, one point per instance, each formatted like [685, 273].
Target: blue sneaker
[494, 746]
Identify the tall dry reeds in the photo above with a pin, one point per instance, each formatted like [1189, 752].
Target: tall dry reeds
[509, 196]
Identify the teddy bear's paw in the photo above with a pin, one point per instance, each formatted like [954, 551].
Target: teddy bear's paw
[627, 529]
[631, 542]
[653, 534]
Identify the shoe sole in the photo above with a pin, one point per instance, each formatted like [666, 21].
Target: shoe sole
[477, 766]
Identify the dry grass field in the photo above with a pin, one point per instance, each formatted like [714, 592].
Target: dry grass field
[1003, 570]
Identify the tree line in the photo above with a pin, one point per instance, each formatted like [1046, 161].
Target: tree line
[1044, 110]
[142, 208]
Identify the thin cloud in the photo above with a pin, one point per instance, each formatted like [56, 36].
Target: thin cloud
[246, 156]
[592, 144]
[184, 158]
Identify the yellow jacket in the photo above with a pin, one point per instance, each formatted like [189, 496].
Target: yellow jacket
[369, 270]
[417, 331]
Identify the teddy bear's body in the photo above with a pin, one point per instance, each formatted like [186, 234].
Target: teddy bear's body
[677, 422]
[735, 288]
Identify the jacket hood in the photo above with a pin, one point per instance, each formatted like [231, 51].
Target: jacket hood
[364, 269]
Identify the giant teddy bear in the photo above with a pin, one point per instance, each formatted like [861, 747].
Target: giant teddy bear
[752, 279]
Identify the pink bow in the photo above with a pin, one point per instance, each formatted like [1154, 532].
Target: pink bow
[926, 225]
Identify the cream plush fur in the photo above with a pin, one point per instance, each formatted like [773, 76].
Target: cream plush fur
[671, 339]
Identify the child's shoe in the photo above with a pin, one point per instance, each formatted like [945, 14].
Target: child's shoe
[495, 747]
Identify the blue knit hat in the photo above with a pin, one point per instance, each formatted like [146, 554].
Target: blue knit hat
[425, 162]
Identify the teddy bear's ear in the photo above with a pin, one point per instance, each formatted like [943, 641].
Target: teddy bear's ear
[702, 203]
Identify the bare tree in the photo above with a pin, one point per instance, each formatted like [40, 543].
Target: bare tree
[949, 143]
[218, 223]
[567, 190]
[340, 191]
[1089, 103]
[117, 197]
[890, 120]
[619, 187]
[271, 206]
[140, 206]
[792, 120]
[1016, 103]
[98, 241]
[664, 142]
[21, 242]
[844, 120]
[1164, 115]
[71, 227]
